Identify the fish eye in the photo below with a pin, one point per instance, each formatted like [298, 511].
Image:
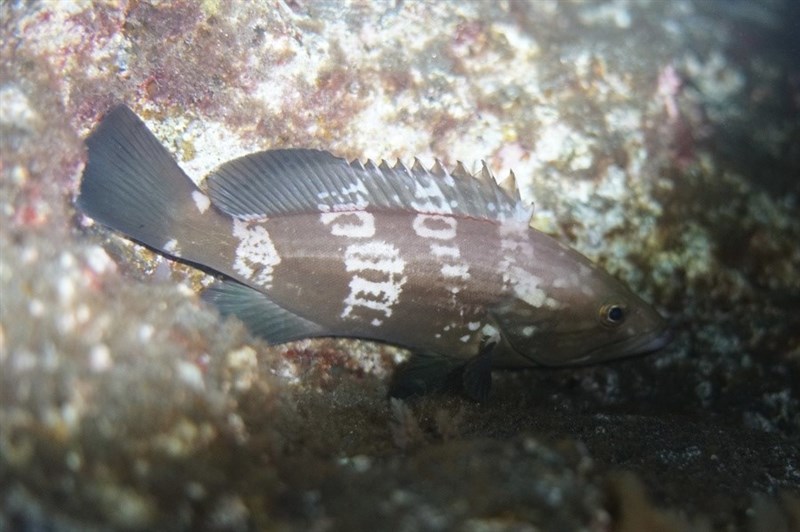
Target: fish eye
[612, 314]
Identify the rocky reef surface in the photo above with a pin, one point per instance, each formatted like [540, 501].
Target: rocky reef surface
[661, 139]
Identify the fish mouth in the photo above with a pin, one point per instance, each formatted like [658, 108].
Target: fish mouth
[657, 342]
[628, 347]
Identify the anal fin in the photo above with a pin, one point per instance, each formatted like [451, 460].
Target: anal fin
[261, 315]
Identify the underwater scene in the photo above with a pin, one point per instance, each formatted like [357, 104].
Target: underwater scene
[400, 265]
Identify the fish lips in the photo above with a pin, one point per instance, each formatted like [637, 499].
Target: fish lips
[628, 347]
[624, 348]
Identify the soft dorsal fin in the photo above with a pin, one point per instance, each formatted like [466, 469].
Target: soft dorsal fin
[294, 181]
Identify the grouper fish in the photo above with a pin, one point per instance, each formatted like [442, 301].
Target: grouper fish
[310, 245]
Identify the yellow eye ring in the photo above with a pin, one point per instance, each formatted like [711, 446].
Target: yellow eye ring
[612, 314]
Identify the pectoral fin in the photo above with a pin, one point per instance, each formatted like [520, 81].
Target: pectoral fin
[476, 377]
[424, 373]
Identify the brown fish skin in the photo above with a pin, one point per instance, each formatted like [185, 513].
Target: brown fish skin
[444, 264]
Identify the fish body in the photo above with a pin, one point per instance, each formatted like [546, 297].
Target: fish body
[311, 245]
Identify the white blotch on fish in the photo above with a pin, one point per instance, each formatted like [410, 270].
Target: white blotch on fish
[377, 258]
[255, 256]
[355, 224]
[201, 201]
[435, 226]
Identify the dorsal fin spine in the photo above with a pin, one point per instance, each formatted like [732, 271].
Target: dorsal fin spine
[460, 171]
[484, 173]
[399, 166]
[438, 169]
[509, 184]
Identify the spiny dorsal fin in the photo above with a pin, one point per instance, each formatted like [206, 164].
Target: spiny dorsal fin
[292, 181]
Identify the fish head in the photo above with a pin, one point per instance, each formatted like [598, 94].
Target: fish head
[576, 313]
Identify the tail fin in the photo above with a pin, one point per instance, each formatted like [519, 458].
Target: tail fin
[131, 183]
